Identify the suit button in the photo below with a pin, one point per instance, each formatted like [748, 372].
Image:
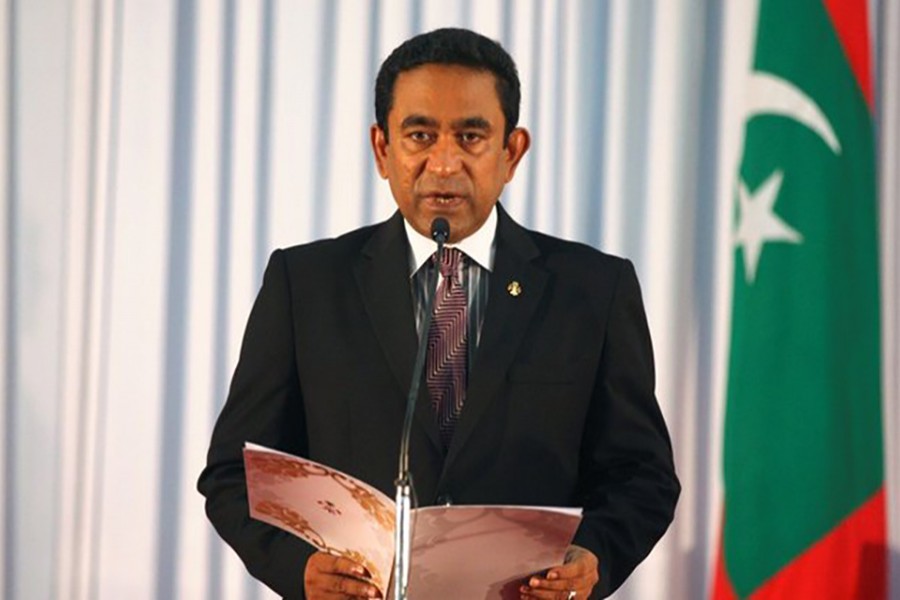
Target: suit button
[443, 500]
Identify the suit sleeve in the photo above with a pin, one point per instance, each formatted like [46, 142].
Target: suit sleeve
[627, 480]
[264, 406]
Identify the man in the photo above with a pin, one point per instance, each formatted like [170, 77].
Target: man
[553, 403]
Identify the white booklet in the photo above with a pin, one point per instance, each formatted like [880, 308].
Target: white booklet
[463, 551]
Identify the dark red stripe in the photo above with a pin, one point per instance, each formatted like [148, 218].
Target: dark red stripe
[851, 23]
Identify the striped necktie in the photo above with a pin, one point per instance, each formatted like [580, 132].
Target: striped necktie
[447, 346]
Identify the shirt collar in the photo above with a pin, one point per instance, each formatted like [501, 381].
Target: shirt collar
[479, 246]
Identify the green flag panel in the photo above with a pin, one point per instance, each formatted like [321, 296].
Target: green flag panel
[803, 445]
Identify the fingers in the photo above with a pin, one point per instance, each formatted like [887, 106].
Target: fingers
[338, 565]
[558, 589]
[548, 595]
[572, 570]
[330, 577]
[578, 574]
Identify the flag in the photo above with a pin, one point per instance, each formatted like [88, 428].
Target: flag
[804, 500]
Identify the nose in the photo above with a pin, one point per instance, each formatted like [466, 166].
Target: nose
[444, 157]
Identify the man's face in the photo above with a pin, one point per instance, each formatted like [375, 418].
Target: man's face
[446, 156]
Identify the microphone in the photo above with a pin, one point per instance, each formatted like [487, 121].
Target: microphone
[440, 233]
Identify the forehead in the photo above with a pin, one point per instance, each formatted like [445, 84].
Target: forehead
[446, 92]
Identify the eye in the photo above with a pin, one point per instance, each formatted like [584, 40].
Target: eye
[420, 137]
[470, 137]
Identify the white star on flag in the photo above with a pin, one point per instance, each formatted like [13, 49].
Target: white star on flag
[759, 223]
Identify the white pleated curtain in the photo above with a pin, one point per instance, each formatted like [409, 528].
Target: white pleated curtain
[154, 152]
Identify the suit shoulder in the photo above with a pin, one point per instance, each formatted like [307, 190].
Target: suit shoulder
[584, 273]
[561, 254]
[329, 252]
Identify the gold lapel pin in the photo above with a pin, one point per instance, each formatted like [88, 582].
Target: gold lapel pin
[514, 288]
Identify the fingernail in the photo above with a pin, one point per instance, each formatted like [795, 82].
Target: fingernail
[553, 575]
[359, 571]
[534, 582]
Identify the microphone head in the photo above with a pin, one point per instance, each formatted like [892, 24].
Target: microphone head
[440, 230]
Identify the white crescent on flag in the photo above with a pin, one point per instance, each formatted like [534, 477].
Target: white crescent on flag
[769, 94]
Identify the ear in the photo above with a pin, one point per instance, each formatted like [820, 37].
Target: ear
[379, 149]
[517, 145]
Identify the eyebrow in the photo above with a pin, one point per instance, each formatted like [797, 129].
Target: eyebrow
[418, 121]
[465, 123]
[472, 123]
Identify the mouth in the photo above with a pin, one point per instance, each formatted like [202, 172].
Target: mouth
[444, 200]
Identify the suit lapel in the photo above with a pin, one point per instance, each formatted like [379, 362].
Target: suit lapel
[382, 275]
[505, 322]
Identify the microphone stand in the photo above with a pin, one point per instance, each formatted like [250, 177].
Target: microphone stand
[440, 232]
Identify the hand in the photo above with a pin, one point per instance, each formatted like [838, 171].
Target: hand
[578, 574]
[330, 577]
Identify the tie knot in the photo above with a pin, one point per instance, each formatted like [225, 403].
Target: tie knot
[451, 259]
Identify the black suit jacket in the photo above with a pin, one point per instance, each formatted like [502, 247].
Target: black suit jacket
[560, 408]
